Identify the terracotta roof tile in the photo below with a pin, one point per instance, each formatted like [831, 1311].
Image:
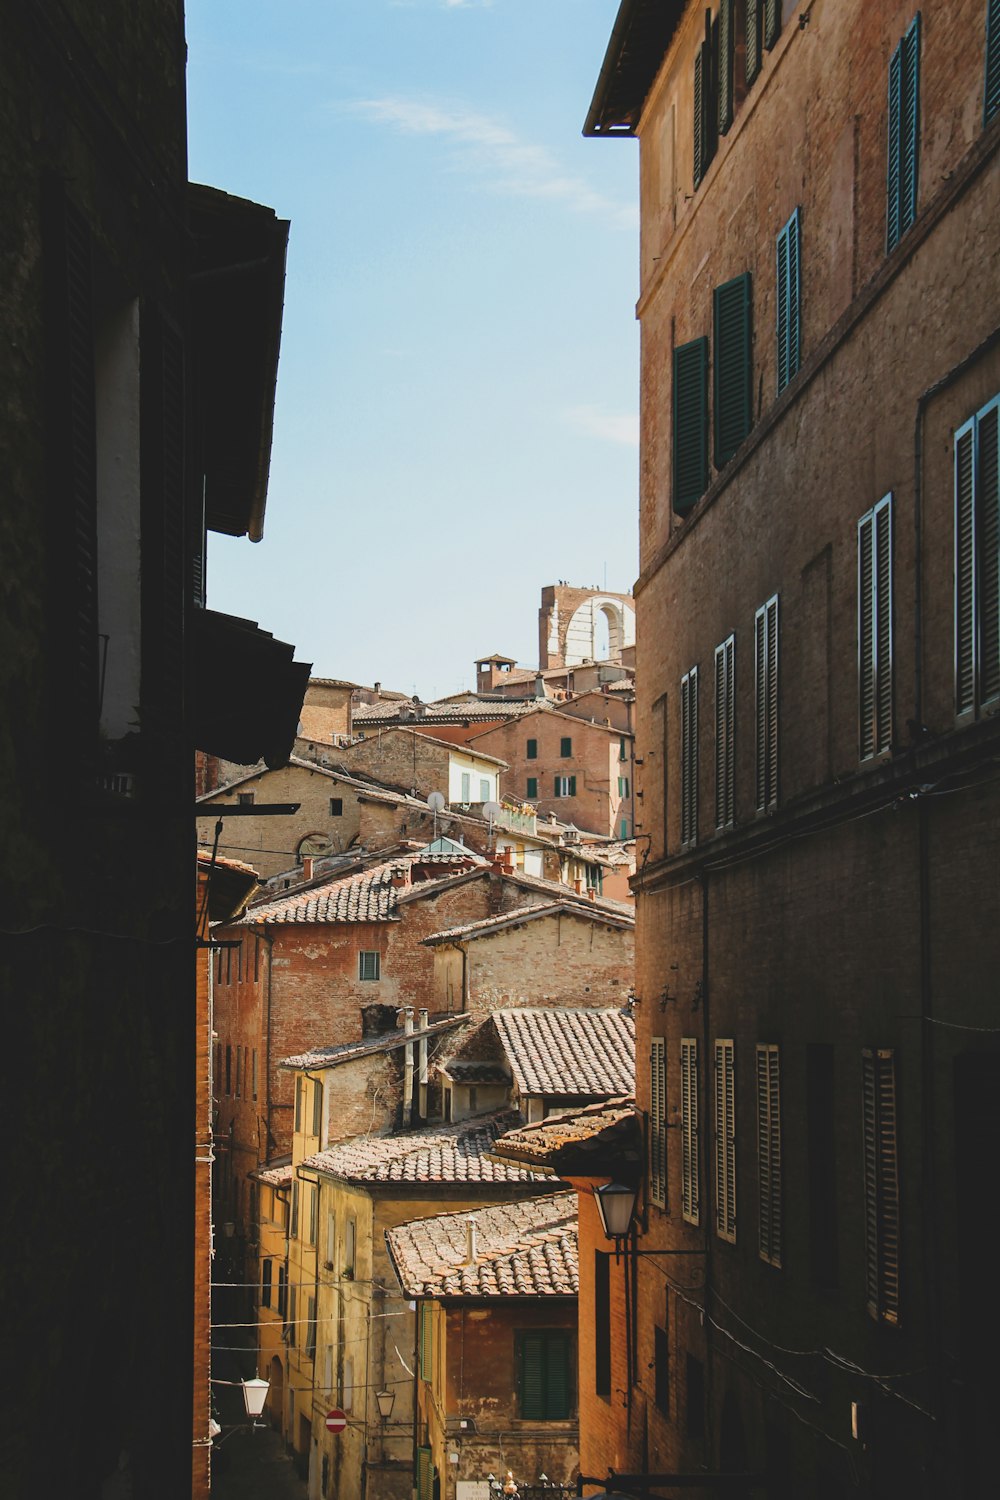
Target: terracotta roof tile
[524, 1249]
[387, 1041]
[368, 896]
[436, 1154]
[572, 905]
[592, 1140]
[561, 1051]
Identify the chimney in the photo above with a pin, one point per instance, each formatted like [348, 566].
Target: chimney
[471, 1241]
[307, 867]
[377, 688]
[578, 886]
[400, 876]
[592, 892]
[539, 686]
[509, 862]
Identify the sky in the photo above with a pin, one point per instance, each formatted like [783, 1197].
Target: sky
[457, 408]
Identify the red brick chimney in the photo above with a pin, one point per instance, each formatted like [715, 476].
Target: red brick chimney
[307, 867]
[400, 876]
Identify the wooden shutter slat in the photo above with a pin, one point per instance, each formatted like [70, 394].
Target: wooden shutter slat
[772, 702]
[883, 623]
[909, 125]
[726, 55]
[892, 227]
[690, 1180]
[866, 637]
[733, 366]
[987, 475]
[772, 22]
[753, 40]
[991, 82]
[690, 424]
[760, 703]
[965, 571]
[700, 162]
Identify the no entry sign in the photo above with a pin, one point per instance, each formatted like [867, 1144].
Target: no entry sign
[336, 1421]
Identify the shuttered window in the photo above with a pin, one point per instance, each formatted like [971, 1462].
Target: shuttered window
[754, 39]
[902, 161]
[369, 964]
[875, 630]
[565, 786]
[881, 1167]
[788, 301]
[317, 1110]
[725, 733]
[991, 84]
[733, 367]
[977, 562]
[690, 1146]
[425, 1475]
[766, 705]
[689, 757]
[769, 1153]
[706, 70]
[725, 1141]
[658, 1122]
[425, 1341]
[532, 785]
[772, 22]
[690, 414]
[727, 52]
[544, 1375]
[294, 1223]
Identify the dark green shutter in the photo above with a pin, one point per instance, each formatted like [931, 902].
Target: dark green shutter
[988, 508]
[690, 455]
[753, 40]
[532, 1377]
[726, 52]
[733, 368]
[426, 1341]
[902, 151]
[965, 570]
[572, 786]
[706, 65]
[532, 786]
[558, 1395]
[866, 636]
[788, 301]
[425, 1475]
[883, 623]
[700, 162]
[991, 84]
[772, 22]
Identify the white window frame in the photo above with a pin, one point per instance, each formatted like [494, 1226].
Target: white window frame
[369, 954]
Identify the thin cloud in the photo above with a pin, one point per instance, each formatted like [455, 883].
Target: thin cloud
[512, 166]
[610, 427]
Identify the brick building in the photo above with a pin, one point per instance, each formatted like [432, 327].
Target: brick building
[817, 643]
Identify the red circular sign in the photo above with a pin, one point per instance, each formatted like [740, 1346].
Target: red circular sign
[335, 1420]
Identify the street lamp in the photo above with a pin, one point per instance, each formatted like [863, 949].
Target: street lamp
[616, 1206]
[254, 1395]
[386, 1401]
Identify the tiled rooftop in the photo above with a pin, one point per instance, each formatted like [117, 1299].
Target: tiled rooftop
[598, 1140]
[368, 896]
[436, 1154]
[572, 906]
[387, 1041]
[277, 1173]
[524, 1249]
[557, 1051]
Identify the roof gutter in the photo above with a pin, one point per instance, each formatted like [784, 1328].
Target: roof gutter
[623, 20]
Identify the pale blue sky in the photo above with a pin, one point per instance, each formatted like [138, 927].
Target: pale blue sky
[456, 421]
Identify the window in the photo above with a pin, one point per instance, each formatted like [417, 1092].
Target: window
[726, 69]
[875, 630]
[336, 807]
[904, 136]
[690, 1144]
[788, 301]
[622, 753]
[690, 424]
[821, 1158]
[531, 750]
[484, 790]
[254, 1071]
[733, 367]
[725, 733]
[977, 562]
[350, 1243]
[317, 1110]
[331, 1238]
[991, 86]
[293, 1227]
[766, 705]
[689, 757]
[658, 1122]
[878, 1109]
[369, 966]
[245, 799]
[602, 1323]
[623, 786]
[282, 1291]
[425, 1342]
[532, 786]
[694, 1392]
[769, 1154]
[565, 786]
[566, 747]
[266, 1269]
[298, 1101]
[661, 1377]
[311, 1328]
[725, 1142]
[425, 1475]
[466, 786]
[313, 1213]
[544, 1375]
[229, 1068]
[706, 108]
[293, 1320]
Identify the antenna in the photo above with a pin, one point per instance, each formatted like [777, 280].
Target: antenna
[435, 802]
[491, 809]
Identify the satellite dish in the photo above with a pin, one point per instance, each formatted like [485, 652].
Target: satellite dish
[436, 801]
[491, 809]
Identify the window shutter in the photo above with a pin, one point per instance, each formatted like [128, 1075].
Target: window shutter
[965, 570]
[909, 125]
[658, 1122]
[725, 1142]
[317, 1119]
[772, 22]
[991, 85]
[690, 1145]
[532, 1377]
[426, 1348]
[425, 1475]
[726, 52]
[883, 623]
[733, 367]
[557, 1377]
[892, 149]
[788, 301]
[881, 1172]
[766, 704]
[753, 39]
[988, 509]
[690, 419]
[769, 1153]
[532, 786]
[689, 757]
[725, 714]
[699, 105]
[866, 636]
[572, 786]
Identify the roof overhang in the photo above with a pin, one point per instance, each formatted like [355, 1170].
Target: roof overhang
[247, 690]
[237, 296]
[642, 32]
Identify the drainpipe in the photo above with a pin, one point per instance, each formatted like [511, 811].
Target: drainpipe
[422, 1065]
[408, 1068]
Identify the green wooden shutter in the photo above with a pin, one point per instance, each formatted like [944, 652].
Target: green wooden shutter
[965, 570]
[909, 129]
[766, 704]
[733, 366]
[753, 40]
[689, 757]
[788, 301]
[426, 1342]
[532, 1362]
[866, 636]
[690, 421]
[726, 54]
[772, 22]
[881, 1184]
[988, 546]
[894, 110]
[532, 786]
[425, 1475]
[883, 623]
[572, 786]
[724, 732]
[700, 156]
[991, 85]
